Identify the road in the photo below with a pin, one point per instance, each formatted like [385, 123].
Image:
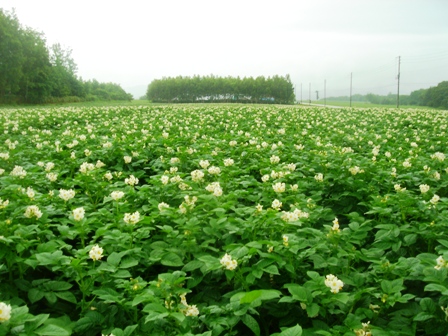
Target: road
[321, 105]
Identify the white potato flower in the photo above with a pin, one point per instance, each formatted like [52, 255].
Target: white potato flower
[78, 214]
[163, 206]
[132, 218]
[214, 170]
[117, 195]
[441, 263]
[165, 179]
[335, 226]
[228, 162]
[228, 262]
[66, 194]
[192, 310]
[51, 176]
[33, 211]
[274, 159]
[424, 188]
[279, 187]
[333, 283]
[18, 171]
[276, 204]
[96, 252]
[5, 312]
[197, 175]
[132, 180]
[434, 199]
[108, 176]
[204, 164]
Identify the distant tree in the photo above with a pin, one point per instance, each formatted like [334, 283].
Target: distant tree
[221, 89]
[437, 96]
[35, 83]
[11, 54]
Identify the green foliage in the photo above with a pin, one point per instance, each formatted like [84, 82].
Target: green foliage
[30, 73]
[178, 254]
[207, 89]
[432, 97]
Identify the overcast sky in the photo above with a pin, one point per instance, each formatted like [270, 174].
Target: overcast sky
[133, 42]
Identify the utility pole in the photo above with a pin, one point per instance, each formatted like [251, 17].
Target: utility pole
[309, 95]
[300, 93]
[325, 92]
[351, 76]
[317, 95]
[398, 77]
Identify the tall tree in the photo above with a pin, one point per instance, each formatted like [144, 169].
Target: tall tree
[11, 55]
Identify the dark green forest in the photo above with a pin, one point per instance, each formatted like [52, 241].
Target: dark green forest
[436, 96]
[197, 89]
[31, 72]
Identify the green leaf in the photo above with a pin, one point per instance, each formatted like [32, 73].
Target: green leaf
[154, 307]
[90, 320]
[262, 294]
[293, 331]
[271, 269]
[392, 287]
[52, 330]
[251, 323]
[36, 322]
[192, 265]
[436, 288]
[51, 297]
[47, 258]
[128, 262]
[422, 316]
[443, 242]
[114, 258]
[67, 296]
[312, 310]
[239, 252]
[178, 316]
[171, 259]
[428, 305]
[299, 293]
[313, 275]
[129, 330]
[58, 285]
[35, 295]
[109, 295]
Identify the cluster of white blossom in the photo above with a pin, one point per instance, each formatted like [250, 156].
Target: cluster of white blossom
[86, 167]
[33, 211]
[117, 195]
[162, 205]
[131, 180]
[3, 203]
[279, 187]
[228, 262]
[189, 310]
[18, 171]
[197, 175]
[78, 214]
[132, 218]
[333, 283]
[66, 194]
[96, 252]
[214, 188]
[5, 312]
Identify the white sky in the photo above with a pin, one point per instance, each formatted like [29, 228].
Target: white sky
[133, 42]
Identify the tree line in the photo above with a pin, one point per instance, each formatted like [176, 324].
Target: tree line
[31, 72]
[436, 96]
[270, 90]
